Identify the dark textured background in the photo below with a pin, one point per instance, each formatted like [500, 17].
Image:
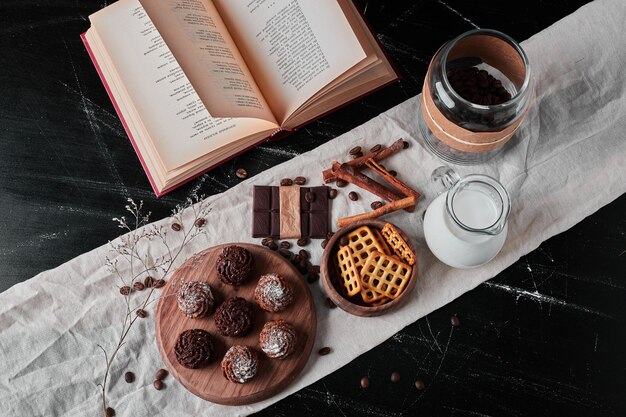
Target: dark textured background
[543, 338]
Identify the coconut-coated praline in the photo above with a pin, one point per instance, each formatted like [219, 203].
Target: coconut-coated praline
[273, 293]
[278, 339]
[240, 364]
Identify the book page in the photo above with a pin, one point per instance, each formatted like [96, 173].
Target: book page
[179, 126]
[295, 47]
[197, 37]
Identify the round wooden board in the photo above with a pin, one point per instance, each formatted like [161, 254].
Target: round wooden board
[273, 375]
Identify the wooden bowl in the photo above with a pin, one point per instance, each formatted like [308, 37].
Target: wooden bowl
[329, 278]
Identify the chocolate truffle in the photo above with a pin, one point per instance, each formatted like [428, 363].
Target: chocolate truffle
[195, 299]
[194, 348]
[234, 317]
[277, 339]
[234, 265]
[240, 364]
[273, 293]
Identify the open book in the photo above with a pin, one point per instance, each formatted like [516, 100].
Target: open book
[197, 82]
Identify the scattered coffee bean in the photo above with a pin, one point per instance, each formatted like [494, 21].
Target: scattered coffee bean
[176, 227]
[329, 235]
[299, 180]
[357, 155]
[365, 382]
[454, 321]
[303, 241]
[332, 193]
[393, 172]
[420, 385]
[138, 286]
[341, 183]
[355, 150]
[125, 290]
[285, 253]
[304, 254]
[314, 269]
[161, 374]
[329, 303]
[352, 195]
[129, 377]
[285, 245]
[324, 351]
[141, 313]
[395, 377]
[303, 264]
[269, 243]
[312, 277]
[200, 222]
[109, 412]
[376, 205]
[286, 182]
[148, 282]
[159, 283]
[241, 173]
[158, 385]
[376, 148]
[324, 243]
[343, 240]
[309, 197]
[405, 144]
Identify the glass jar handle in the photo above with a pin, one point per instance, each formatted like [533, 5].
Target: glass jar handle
[445, 177]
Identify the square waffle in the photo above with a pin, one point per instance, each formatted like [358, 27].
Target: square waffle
[385, 275]
[362, 242]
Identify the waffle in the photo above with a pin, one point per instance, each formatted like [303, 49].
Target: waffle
[400, 247]
[362, 242]
[385, 274]
[348, 276]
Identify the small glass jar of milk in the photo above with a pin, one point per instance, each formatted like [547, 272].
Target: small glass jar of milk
[466, 226]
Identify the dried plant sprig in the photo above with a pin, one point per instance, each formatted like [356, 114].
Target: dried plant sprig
[130, 261]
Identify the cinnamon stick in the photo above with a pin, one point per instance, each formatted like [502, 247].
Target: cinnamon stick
[329, 176]
[388, 208]
[353, 176]
[395, 182]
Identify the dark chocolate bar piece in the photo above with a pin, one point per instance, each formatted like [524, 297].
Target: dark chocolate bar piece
[314, 216]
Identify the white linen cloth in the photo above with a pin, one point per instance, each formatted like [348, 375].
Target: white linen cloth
[571, 161]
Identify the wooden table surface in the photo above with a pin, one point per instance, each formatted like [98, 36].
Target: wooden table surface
[543, 338]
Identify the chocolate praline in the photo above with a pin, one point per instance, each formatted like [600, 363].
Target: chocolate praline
[234, 265]
[194, 348]
[234, 317]
[272, 293]
[240, 364]
[277, 339]
[195, 299]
